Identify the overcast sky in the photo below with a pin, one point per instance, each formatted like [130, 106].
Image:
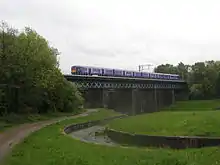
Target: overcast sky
[122, 33]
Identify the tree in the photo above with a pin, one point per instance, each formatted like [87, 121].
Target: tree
[167, 68]
[28, 61]
[218, 86]
[196, 91]
[202, 77]
[183, 70]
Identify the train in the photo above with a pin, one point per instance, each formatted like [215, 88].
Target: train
[109, 72]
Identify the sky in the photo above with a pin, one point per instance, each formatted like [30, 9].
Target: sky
[122, 33]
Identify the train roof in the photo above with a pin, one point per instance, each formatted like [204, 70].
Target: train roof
[96, 67]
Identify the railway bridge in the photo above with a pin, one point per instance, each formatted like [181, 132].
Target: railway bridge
[129, 95]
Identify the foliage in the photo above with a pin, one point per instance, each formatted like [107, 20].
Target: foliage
[203, 77]
[28, 62]
[44, 147]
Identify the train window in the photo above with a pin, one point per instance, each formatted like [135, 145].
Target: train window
[128, 73]
[152, 75]
[83, 69]
[95, 70]
[138, 74]
[118, 72]
[147, 74]
[108, 71]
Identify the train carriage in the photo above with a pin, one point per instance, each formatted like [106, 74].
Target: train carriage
[128, 73]
[107, 72]
[145, 75]
[95, 71]
[137, 74]
[118, 73]
[80, 70]
[152, 75]
[85, 70]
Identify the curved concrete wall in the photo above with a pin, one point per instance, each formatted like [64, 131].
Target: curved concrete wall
[78, 126]
[177, 142]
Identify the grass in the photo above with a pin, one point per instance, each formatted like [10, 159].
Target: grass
[49, 146]
[16, 119]
[203, 123]
[195, 105]
[183, 118]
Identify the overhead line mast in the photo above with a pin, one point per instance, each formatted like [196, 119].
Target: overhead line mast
[141, 67]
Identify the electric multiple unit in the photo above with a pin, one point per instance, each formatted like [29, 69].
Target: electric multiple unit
[92, 71]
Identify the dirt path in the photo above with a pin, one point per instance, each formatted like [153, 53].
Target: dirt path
[14, 135]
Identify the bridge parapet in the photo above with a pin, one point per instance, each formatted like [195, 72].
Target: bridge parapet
[124, 83]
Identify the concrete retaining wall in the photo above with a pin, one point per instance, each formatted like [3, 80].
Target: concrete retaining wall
[177, 142]
[78, 126]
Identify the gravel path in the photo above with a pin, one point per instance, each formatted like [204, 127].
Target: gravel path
[15, 135]
[88, 135]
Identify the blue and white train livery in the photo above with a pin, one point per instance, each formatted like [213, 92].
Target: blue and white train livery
[86, 70]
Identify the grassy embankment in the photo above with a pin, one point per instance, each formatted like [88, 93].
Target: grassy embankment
[50, 146]
[15, 119]
[196, 105]
[184, 118]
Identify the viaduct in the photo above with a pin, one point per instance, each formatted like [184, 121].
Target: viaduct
[129, 95]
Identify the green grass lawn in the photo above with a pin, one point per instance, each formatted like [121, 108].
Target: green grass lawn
[195, 105]
[49, 146]
[200, 123]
